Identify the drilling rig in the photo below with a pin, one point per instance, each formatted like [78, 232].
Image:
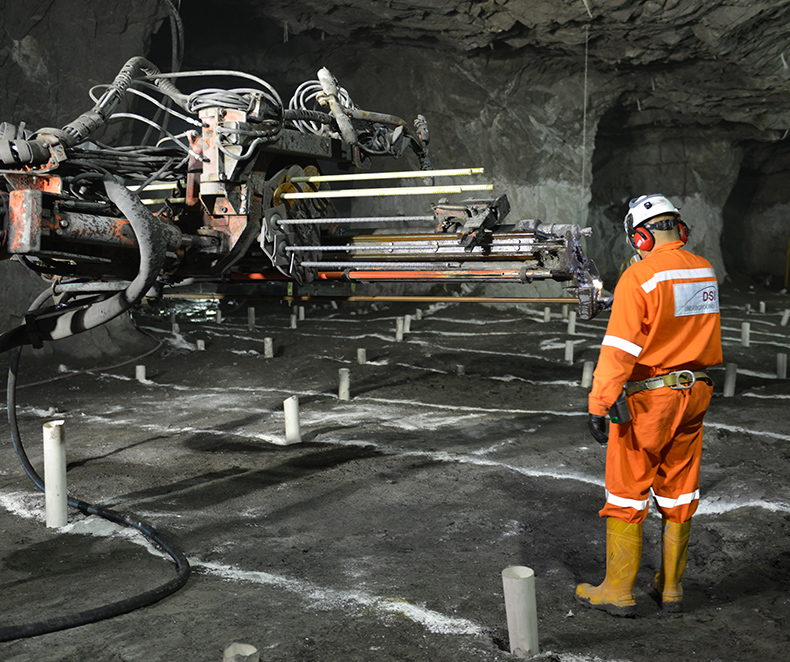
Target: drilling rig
[248, 192]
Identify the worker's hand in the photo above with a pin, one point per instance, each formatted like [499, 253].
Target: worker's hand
[597, 425]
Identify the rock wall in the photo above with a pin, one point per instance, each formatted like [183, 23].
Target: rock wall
[756, 235]
[695, 167]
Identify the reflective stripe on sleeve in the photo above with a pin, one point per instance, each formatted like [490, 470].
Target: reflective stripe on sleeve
[682, 500]
[622, 502]
[677, 274]
[621, 343]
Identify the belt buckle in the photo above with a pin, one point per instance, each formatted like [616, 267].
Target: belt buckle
[682, 387]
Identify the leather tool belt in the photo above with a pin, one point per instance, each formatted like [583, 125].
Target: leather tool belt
[680, 379]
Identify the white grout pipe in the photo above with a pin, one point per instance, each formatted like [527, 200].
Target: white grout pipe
[293, 433]
[569, 351]
[587, 374]
[781, 366]
[293, 320]
[237, 652]
[200, 344]
[460, 370]
[362, 356]
[730, 374]
[407, 324]
[785, 317]
[218, 316]
[268, 348]
[762, 307]
[745, 331]
[418, 314]
[344, 387]
[139, 373]
[300, 311]
[565, 309]
[572, 322]
[55, 496]
[546, 314]
[175, 328]
[399, 323]
[251, 318]
[521, 609]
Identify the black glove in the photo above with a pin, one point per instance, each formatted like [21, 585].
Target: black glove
[597, 425]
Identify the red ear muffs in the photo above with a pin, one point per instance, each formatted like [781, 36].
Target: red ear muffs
[684, 231]
[643, 239]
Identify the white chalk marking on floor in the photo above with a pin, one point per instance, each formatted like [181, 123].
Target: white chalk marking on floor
[494, 352]
[423, 368]
[550, 382]
[755, 373]
[754, 321]
[245, 352]
[763, 396]
[736, 342]
[335, 598]
[486, 410]
[28, 505]
[178, 341]
[530, 472]
[476, 334]
[478, 322]
[750, 431]
[722, 506]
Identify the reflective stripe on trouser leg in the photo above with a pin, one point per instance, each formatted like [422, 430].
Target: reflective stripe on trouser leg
[660, 449]
[676, 486]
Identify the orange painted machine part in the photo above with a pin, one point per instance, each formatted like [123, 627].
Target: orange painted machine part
[24, 221]
[47, 184]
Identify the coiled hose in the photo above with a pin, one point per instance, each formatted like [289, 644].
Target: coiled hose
[124, 606]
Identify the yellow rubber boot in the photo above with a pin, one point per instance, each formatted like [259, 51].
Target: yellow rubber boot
[674, 550]
[623, 554]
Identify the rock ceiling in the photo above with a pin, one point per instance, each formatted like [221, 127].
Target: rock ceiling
[687, 60]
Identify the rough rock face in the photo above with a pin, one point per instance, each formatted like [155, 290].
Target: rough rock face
[677, 58]
[52, 53]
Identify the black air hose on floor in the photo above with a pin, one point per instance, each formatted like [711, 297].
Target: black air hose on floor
[145, 599]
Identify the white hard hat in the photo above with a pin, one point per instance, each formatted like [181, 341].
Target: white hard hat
[645, 207]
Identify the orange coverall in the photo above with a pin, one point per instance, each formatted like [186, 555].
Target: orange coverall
[665, 317]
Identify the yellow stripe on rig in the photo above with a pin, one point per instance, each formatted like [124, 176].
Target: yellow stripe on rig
[375, 192]
[406, 174]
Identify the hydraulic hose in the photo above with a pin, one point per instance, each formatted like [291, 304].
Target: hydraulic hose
[94, 615]
[66, 320]
[36, 151]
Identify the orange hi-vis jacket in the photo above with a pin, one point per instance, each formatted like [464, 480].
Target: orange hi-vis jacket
[665, 317]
